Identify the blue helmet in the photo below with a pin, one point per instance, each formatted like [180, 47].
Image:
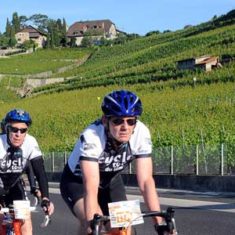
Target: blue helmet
[121, 103]
[18, 115]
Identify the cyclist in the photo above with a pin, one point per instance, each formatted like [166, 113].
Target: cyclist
[91, 179]
[29, 170]
[17, 148]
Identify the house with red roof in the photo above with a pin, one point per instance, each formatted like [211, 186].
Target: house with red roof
[30, 33]
[96, 29]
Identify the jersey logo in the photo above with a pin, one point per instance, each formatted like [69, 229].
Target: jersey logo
[9, 165]
[12, 161]
[114, 162]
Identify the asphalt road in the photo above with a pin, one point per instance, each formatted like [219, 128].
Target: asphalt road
[196, 213]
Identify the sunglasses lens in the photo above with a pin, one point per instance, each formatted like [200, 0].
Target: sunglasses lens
[23, 130]
[15, 130]
[131, 122]
[119, 121]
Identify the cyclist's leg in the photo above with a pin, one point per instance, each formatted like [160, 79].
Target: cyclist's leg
[114, 193]
[72, 192]
[17, 192]
[26, 227]
[78, 210]
[1, 214]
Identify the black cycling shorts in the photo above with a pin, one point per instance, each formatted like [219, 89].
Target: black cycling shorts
[72, 190]
[16, 192]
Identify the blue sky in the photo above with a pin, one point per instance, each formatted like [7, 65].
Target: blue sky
[131, 16]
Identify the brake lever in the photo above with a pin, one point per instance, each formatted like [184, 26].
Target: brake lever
[46, 221]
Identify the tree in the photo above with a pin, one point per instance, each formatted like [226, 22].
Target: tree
[73, 42]
[86, 42]
[8, 28]
[23, 21]
[40, 21]
[4, 41]
[63, 33]
[15, 22]
[152, 33]
[29, 44]
[12, 40]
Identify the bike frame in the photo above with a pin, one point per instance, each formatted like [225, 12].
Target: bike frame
[10, 225]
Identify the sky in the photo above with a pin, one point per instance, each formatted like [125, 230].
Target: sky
[131, 16]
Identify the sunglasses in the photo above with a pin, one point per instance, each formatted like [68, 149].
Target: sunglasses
[120, 121]
[15, 129]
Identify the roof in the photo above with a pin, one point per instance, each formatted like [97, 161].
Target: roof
[79, 28]
[33, 32]
[208, 60]
[200, 60]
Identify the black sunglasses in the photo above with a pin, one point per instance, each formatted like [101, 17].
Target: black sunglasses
[120, 121]
[15, 129]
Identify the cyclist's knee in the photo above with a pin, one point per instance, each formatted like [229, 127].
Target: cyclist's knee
[78, 210]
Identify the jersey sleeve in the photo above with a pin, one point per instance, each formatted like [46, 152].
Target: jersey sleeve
[88, 147]
[31, 147]
[141, 144]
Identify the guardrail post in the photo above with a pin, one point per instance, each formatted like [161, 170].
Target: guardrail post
[197, 159]
[222, 160]
[65, 158]
[172, 160]
[53, 161]
[130, 169]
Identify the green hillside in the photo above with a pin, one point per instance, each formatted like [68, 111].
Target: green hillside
[177, 109]
[151, 58]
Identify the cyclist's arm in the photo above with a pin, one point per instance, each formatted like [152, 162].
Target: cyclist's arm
[91, 179]
[147, 185]
[40, 173]
[31, 178]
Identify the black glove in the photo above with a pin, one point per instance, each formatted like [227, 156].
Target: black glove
[160, 229]
[45, 204]
[33, 191]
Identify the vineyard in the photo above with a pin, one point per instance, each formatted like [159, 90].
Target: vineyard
[149, 59]
[181, 107]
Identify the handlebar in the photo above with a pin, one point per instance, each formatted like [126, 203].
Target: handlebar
[10, 209]
[168, 215]
[46, 221]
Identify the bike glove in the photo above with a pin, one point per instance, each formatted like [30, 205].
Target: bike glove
[45, 204]
[161, 229]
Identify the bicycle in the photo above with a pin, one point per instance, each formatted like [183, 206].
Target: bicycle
[99, 220]
[11, 224]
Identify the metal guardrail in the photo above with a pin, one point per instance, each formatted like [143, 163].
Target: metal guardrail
[195, 160]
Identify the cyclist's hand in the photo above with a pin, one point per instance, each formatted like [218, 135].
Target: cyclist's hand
[47, 206]
[36, 193]
[163, 230]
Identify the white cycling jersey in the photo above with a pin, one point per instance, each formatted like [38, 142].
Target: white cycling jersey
[29, 148]
[93, 145]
